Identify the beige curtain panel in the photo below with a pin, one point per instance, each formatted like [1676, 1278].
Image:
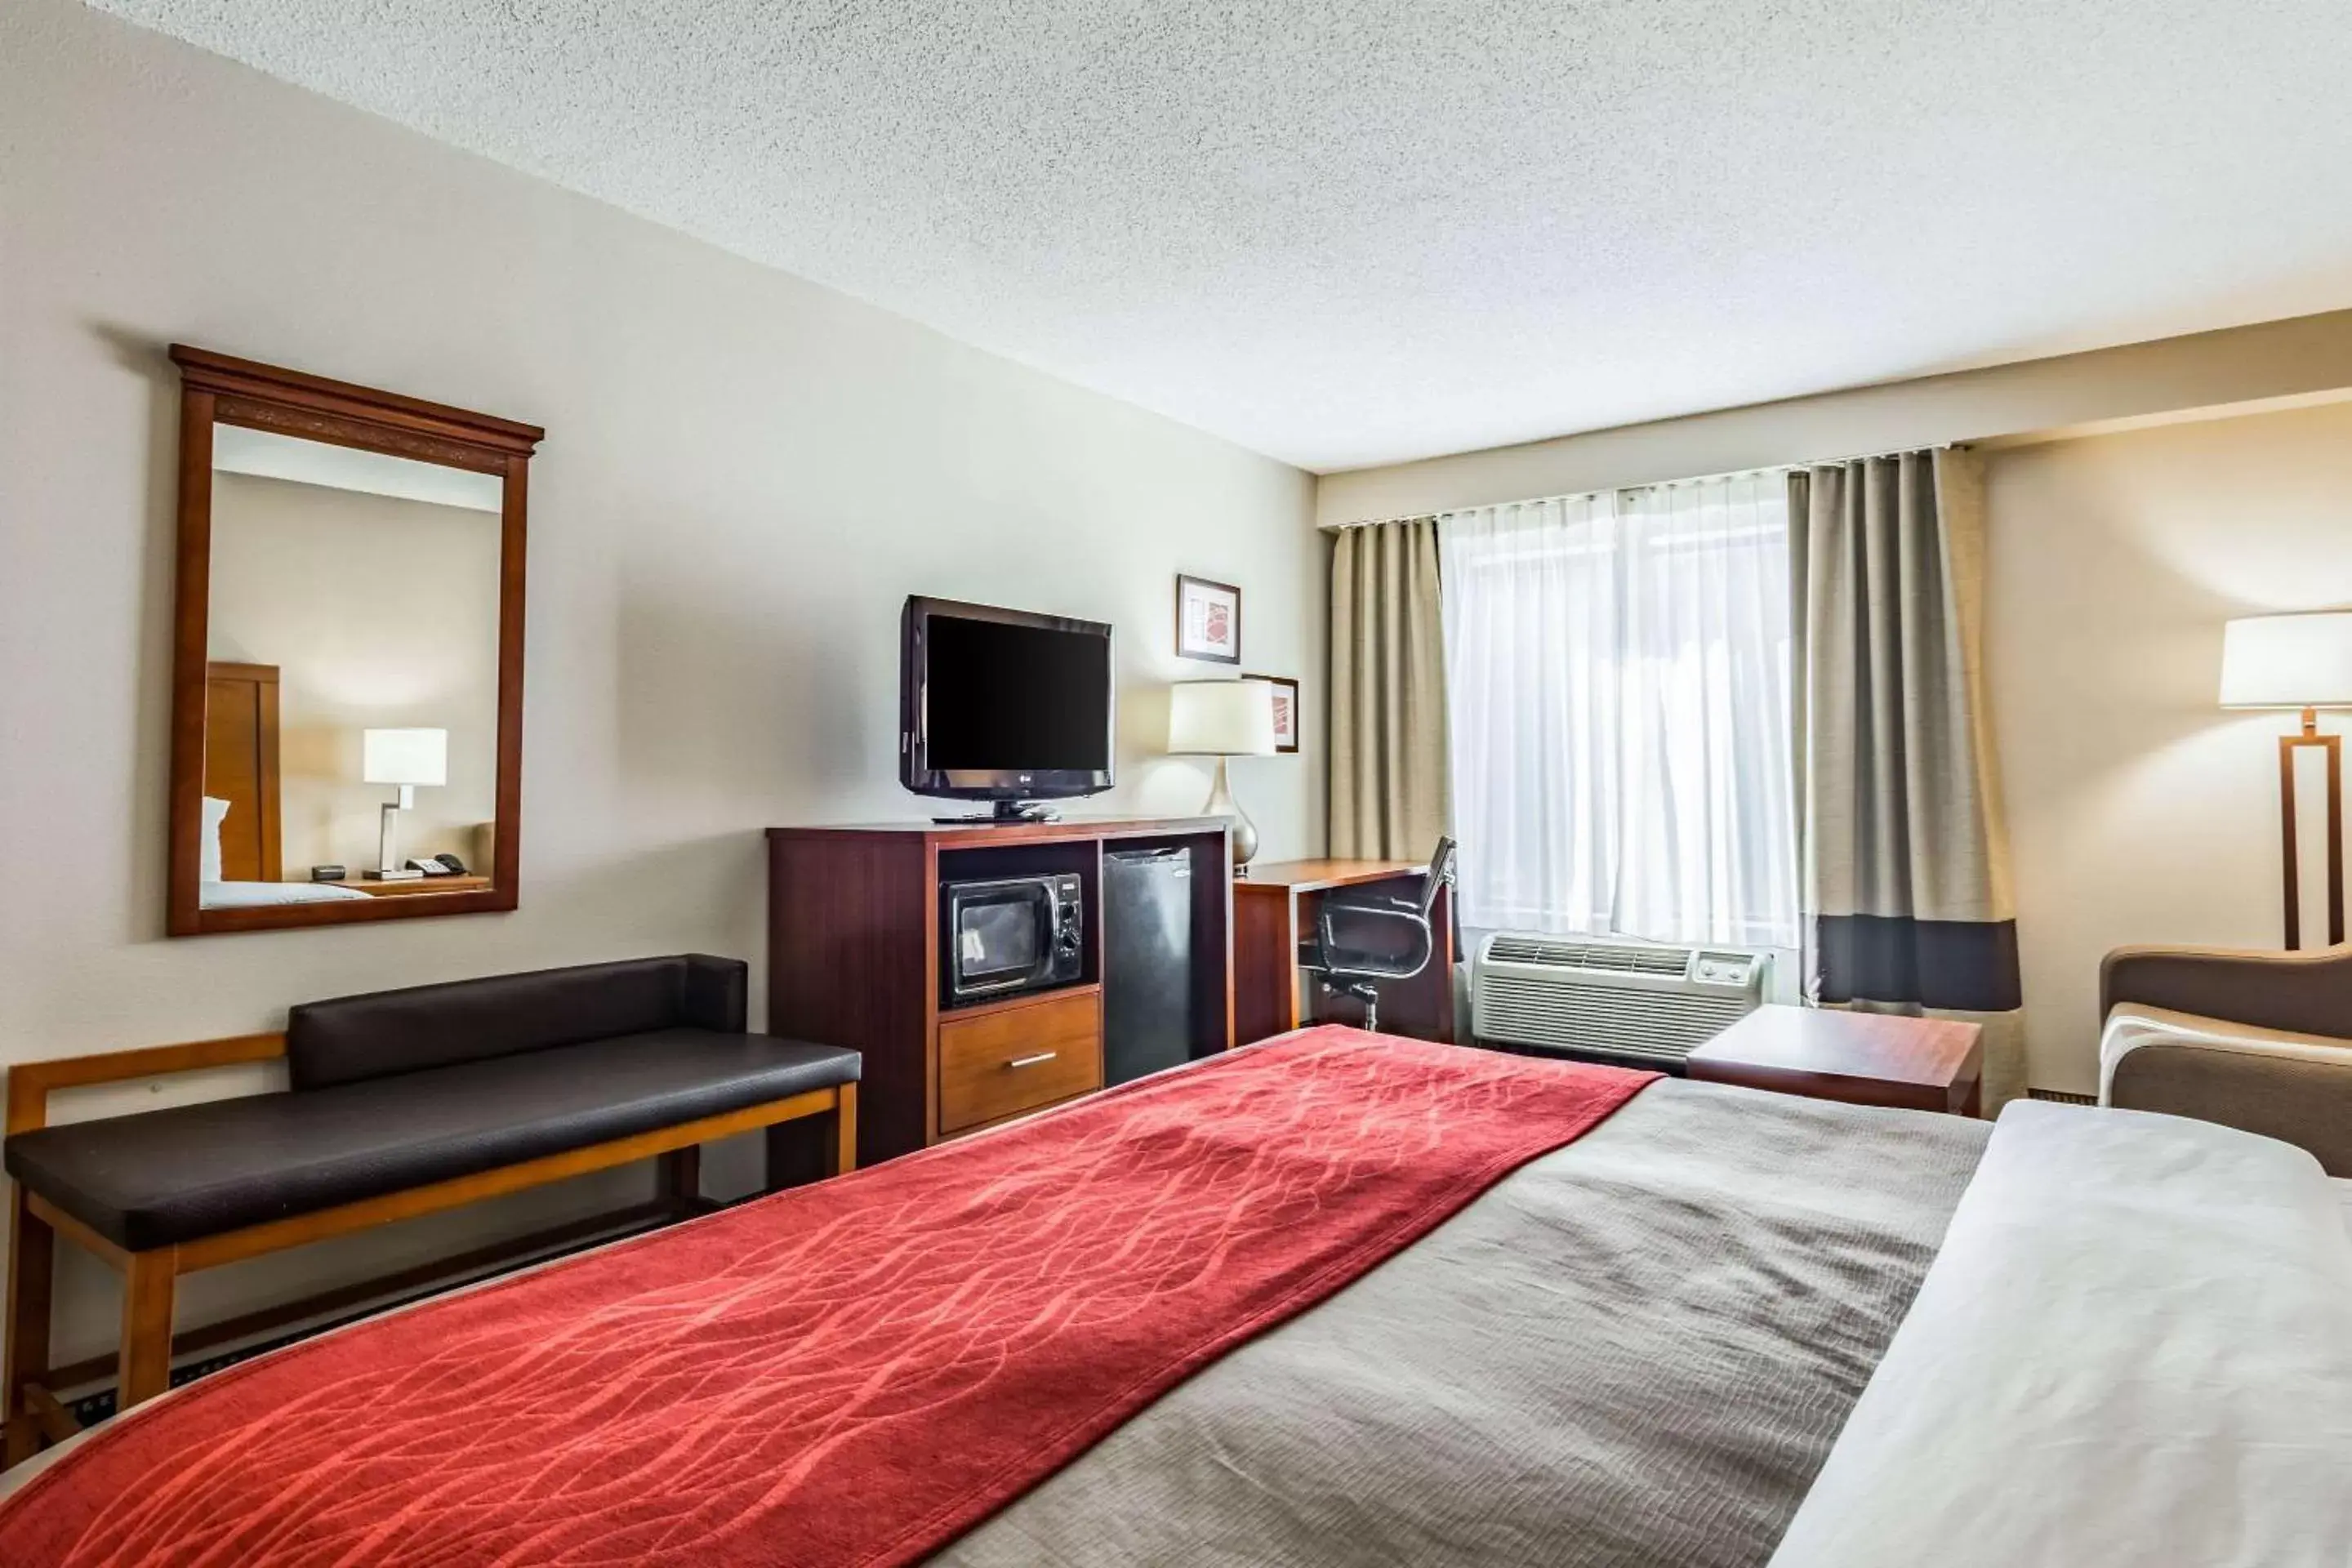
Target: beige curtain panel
[1388, 693]
[1903, 858]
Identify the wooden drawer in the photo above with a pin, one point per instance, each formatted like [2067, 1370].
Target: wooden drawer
[1011, 1060]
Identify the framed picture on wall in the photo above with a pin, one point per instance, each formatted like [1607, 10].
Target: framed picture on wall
[1208, 620]
[1286, 709]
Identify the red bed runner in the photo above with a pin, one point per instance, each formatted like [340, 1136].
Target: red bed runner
[851, 1372]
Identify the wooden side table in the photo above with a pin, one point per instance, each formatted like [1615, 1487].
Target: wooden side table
[1863, 1058]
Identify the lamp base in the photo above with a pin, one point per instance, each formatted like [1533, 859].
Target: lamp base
[1220, 803]
[387, 842]
[2332, 751]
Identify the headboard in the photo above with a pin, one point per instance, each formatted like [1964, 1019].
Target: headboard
[241, 766]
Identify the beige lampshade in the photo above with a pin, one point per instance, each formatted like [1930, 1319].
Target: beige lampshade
[1221, 719]
[2288, 661]
[404, 756]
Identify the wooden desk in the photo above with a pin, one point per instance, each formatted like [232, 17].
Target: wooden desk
[1863, 1058]
[1274, 910]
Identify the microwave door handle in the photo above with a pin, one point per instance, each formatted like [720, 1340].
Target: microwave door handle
[1052, 933]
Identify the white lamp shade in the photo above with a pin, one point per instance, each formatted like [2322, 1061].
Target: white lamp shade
[2288, 661]
[404, 756]
[1221, 719]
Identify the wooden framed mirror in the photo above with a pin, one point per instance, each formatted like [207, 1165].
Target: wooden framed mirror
[347, 653]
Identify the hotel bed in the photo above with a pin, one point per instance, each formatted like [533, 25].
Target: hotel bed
[1707, 1326]
[239, 857]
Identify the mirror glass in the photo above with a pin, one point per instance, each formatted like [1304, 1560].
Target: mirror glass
[351, 676]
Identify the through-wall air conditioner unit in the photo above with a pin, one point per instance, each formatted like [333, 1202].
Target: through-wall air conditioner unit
[1642, 1001]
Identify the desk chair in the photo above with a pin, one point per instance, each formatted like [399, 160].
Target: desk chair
[1364, 938]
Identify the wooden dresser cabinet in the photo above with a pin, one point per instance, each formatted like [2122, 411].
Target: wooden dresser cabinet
[856, 935]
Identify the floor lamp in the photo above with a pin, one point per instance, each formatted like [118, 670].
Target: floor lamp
[2297, 662]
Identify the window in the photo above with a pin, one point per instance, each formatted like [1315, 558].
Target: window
[1617, 679]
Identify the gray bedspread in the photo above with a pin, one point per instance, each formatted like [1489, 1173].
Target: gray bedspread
[1635, 1351]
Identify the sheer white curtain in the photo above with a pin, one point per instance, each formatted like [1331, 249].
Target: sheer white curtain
[1617, 676]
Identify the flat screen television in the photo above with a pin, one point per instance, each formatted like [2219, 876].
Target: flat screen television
[1003, 705]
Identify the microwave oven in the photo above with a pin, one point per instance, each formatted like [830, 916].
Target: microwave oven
[1011, 934]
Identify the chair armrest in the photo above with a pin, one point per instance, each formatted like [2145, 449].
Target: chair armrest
[30, 1084]
[2297, 1090]
[1373, 903]
[2303, 993]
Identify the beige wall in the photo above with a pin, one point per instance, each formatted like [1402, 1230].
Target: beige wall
[744, 475]
[2139, 811]
[379, 613]
[2309, 357]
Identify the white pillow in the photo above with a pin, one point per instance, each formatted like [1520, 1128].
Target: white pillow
[208, 858]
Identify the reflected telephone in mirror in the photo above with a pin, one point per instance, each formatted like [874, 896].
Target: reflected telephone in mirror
[438, 865]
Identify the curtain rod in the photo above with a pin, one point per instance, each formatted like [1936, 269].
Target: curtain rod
[1433, 514]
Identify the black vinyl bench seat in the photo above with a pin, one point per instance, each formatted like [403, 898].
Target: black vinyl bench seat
[164, 1177]
[447, 1087]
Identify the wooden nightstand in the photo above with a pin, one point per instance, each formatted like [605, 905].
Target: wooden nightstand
[1863, 1058]
[466, 883]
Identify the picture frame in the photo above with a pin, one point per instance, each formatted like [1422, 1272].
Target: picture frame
[1208, 620]
[1285, 710]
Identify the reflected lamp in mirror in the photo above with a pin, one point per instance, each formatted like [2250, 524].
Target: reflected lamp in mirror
[2297, 662]
[406, 759]
[1224, 719]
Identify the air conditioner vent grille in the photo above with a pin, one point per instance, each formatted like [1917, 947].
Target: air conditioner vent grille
[1605, 957]
[1620, 999]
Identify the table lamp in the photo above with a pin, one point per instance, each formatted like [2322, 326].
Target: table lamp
[406, 758]
[1222, 718]
[2297, 661]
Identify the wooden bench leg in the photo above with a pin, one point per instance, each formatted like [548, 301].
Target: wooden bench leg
[32, 1262]
[810, 1148]
[681, 1177]
[146, 1367]
[845, 1129]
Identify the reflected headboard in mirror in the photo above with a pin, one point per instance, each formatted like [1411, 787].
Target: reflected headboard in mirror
[347, 653]
[241, 770]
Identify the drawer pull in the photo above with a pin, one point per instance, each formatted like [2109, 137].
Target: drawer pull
[1033, 1061]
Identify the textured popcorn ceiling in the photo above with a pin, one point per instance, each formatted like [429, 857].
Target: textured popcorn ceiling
[1347, 232]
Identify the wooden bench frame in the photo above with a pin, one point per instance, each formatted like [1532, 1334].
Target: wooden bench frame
[143, 1366]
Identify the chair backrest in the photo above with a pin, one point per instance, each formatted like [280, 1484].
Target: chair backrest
[1441, 872]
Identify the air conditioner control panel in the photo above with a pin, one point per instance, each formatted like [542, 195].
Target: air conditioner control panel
[1725, 968]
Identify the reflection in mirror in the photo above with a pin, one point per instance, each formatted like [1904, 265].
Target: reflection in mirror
[351, 679]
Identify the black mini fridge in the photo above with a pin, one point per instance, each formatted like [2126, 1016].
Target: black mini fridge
[1147, 962]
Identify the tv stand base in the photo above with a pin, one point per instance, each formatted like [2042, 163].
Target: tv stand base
[1010, 811]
